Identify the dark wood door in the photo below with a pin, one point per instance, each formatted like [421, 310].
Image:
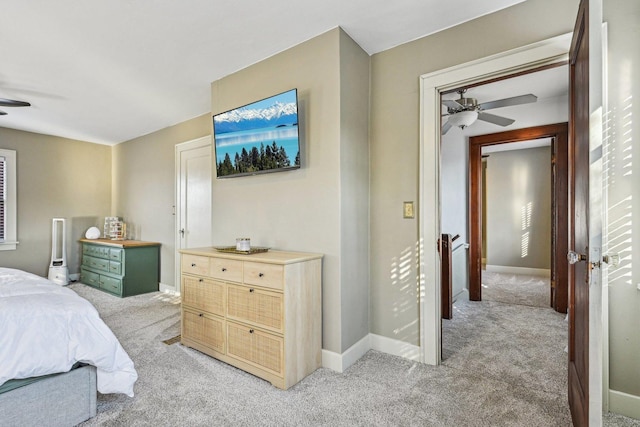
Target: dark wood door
[446, 276]
[578, 215]
[560, 221]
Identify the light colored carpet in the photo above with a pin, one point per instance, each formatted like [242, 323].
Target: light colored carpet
[516, 289]
[520, 345]
[178, 386]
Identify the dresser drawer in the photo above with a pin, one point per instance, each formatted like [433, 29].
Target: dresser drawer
[195, 264]
[115, 254]
[115, 267]
[96, 263]
[96, 251]
[226, 269]
[206, 329]
[86, 261]
[89, 278]
[203, 294]
[110, 284]
[256, 347]
[267, 275]
[259, 307]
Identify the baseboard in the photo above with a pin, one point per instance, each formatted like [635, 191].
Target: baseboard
[519, 270]
[463, 294]
[395, 347]
[340, 362]
[167, 289]
[624, 404]
[331, 360]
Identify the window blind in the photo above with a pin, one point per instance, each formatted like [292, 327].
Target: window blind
[3, 195]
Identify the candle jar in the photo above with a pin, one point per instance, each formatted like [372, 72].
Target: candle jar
[243, 244]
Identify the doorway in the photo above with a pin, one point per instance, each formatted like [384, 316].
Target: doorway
[548, 52]
[431, 86]
[193, 197]
[558, 133]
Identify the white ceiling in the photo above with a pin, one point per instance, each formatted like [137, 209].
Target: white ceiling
[109, 71]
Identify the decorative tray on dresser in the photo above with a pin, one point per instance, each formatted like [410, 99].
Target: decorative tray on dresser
[261, 313]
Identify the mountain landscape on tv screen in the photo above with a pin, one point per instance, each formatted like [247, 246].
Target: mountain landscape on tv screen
[279, 114]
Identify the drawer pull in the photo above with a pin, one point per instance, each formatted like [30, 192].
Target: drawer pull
[224, 269]
[201, 315]
[250, 331]
[251, 290]
[193, 264]
[200, 280]
[260, 274]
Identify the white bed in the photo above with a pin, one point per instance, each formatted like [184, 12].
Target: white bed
[46, 329]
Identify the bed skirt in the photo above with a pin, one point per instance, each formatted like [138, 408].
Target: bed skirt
[59, 400]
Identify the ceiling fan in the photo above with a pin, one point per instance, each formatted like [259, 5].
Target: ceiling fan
[464, 112]
[4, 102]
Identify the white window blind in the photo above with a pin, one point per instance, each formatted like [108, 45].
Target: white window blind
[3, 192]
[8, 201]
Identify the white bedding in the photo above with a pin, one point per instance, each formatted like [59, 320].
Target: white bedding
[46, 328]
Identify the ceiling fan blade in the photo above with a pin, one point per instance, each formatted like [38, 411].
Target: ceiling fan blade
[2, 113]
[450, 103]
[446, 127]
[13, 103]
[507, 102]
[496, 120]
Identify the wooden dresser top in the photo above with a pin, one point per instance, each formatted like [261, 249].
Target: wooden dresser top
[271, 257]
[120, 243]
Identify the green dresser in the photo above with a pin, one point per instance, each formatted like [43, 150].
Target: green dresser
[120, 267]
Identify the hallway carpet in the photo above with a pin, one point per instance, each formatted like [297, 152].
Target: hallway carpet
[516, 289]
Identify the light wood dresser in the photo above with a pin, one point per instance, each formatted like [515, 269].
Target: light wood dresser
[261, 313]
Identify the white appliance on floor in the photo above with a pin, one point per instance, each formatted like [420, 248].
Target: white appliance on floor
[58, 271]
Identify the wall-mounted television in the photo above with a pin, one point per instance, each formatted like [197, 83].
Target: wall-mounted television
[259, 137]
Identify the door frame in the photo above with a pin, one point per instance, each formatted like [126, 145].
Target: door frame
[179, 148]
[537, 55]
[559, 246]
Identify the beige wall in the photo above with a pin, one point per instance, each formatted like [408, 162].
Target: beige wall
[303, 210]
[622, 151]
[354, 190]
[56, 177]
[394, 142]
[144, 186]
[519, 208]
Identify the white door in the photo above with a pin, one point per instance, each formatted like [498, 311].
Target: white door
[193, 197]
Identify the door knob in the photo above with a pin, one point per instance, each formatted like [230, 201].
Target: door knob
[182, 232]
[613, 260]
[574, 257]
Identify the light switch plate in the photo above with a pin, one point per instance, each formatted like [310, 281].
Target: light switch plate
[407, 210]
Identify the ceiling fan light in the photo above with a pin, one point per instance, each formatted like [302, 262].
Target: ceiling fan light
[463, 118]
